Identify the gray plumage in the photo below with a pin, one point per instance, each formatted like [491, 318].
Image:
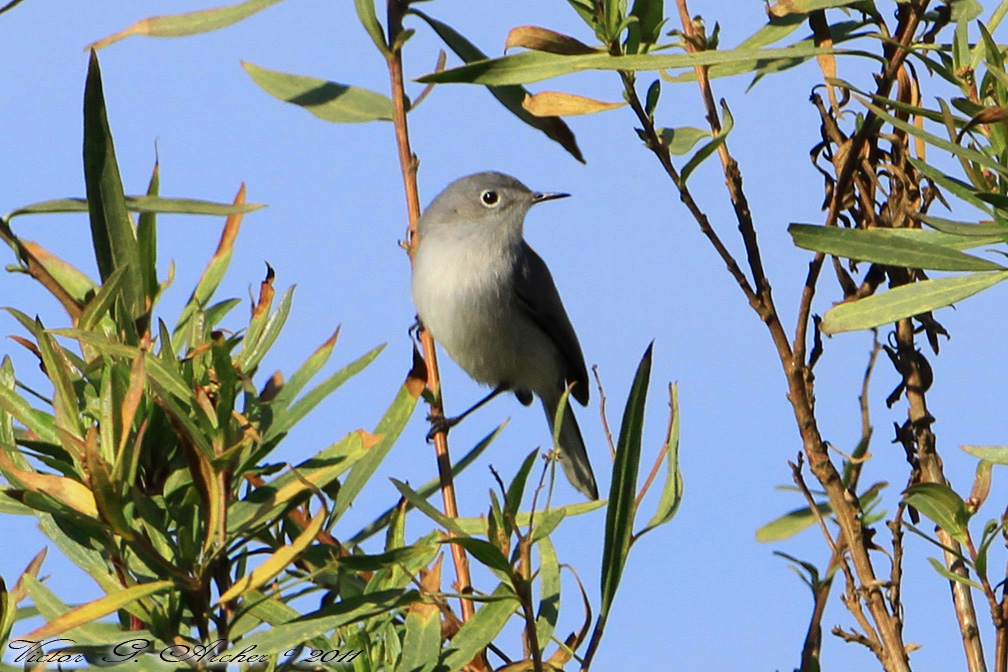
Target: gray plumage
[490, 301]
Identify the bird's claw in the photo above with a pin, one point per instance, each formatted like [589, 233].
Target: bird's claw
[439, 424]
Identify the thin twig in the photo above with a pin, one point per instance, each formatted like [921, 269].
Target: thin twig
[408, 165]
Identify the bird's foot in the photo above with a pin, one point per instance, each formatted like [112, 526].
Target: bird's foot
[440, 423]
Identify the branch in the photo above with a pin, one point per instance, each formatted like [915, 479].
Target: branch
[408, 165]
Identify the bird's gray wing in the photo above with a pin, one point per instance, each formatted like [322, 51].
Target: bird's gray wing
[538, 297]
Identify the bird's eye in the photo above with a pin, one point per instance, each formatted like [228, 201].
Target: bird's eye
[489, 198]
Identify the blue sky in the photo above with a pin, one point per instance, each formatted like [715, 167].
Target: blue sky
[628, 260]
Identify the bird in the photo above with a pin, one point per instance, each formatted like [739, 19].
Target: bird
[490, 301]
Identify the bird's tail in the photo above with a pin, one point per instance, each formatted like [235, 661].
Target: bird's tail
[572, 449]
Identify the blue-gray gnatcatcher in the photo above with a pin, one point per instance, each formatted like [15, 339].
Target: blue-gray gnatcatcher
[490, 301]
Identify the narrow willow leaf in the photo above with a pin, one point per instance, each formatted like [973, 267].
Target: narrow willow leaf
[942, 505]
[344, 612]
[368, 18]
[278, 561]
[158, 369]
[147, 239]
[485, 552]
[678, 141]
[480, 630]
[112, 230]
[265, 333]
[68, 492]
[961, 189]
[650, 15]
[549, 590]
[516, 490]
[328, 101]
[284, 420]
[623, 490]
[543, 39]
[421, 640]
[103, 300]
[995, 454]
[959, 151]
[76, 283]
[882, 246]
[142, 204]
[189, 23]
[511, 97]
[952, 576]
[558, 104]
[216, 267]
[421, 504]
[842, 31]
[426, 490]
[727, 124]
[266, 502]
[791, 523]
[534, 66]
[783, 8]
[300, 378]
[906, 301]
[672, 492]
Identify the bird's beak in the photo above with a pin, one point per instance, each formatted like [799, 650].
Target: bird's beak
[540, 197]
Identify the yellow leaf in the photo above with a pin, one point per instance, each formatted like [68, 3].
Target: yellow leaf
[92, 611]
[557, 104]
[277, 562]
[73, 494]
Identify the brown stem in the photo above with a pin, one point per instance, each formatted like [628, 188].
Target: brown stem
[408, 165]
[930, 468]
[846, 507]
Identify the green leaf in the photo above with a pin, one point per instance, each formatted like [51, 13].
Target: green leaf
[485, 552]
[942, 505]
[147, 240]
[189, 23]
[516, 490]
[986, 232]
[995, 454]
[783, 8]
[403, 407]
[672, 492]
[882, 246]
[678, 141]
[143, 205]
[418, 502]
[549, 590]
[534, 66]
[622, 492]
[328, 101]
[284, 420]
[906, 301]
[952, 576]
[480, 630]
[650, 17]
[421, 642]
[511, 97]
[102, 301]
[368, 18]
[957, 150]
[265, 503]
[305, 373]
[710, 147]
[115, 240]
[344, 612]
[961, 189]
[388, 428]
[791, 523]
